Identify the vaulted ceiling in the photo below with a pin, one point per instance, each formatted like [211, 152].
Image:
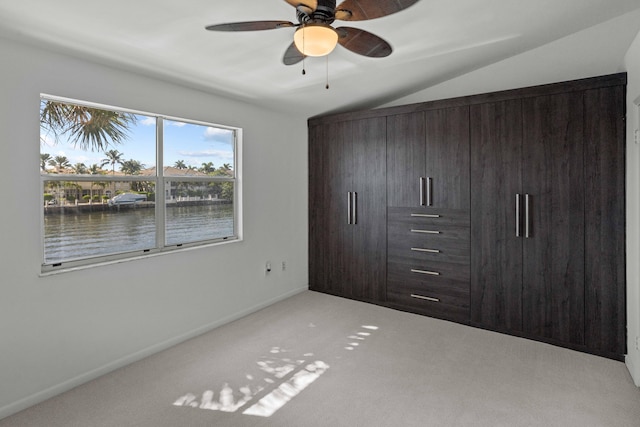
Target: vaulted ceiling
[432, 41]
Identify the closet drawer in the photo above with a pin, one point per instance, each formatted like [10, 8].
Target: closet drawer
[428, 216]
[449, 236]
[410, 270]
[428, 250]
[450, 304]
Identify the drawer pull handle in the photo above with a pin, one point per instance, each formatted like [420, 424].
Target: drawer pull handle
[432, 273]
[426, 215]
[425, 231]
[425, 298]
[433, 251]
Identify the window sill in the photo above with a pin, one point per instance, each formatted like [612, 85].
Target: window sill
[167, 251]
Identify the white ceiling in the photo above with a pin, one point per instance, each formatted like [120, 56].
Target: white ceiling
[433, 41]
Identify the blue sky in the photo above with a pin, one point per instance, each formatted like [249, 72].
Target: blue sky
[191, 143]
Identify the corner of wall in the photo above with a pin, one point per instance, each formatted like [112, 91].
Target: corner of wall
[632, 66]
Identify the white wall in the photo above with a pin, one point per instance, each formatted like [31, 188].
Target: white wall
[595, 51]
[58, 331]
[632, 63]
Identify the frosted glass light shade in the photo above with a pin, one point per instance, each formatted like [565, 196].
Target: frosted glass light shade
[315, 40]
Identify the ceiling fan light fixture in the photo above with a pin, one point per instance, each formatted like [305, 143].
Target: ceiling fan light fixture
[315, 39]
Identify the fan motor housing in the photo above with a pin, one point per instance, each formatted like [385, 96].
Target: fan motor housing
[324, 13]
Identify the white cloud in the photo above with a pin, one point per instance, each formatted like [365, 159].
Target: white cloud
[149, 121]
[221, 154]
[217, 133]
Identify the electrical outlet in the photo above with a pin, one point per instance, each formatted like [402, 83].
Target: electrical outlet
[284, 265]
[637, 135]
[637, 343]
[268, 267]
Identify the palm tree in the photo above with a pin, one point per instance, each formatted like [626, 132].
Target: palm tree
[88, 128]
[44, 159]
[131, 167]
[60, 162]
[94, 169]
[225, 169]
[180, 164]
[74, 188]
[79, 168]
[207, 167]
[113, 157]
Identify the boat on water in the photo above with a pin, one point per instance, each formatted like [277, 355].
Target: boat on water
[127, 199]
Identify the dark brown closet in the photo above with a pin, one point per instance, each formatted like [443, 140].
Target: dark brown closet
[504, 210]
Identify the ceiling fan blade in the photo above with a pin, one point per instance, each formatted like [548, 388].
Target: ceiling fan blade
[292, 55]
[363, 42]
[250, 26]
[360, 10]
[306, 6]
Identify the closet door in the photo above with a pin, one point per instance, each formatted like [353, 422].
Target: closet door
[331, 240]
[553, 254]
[605, 220]
[447, 158]
[496, 229]
[405, 159]
[368, 263]
[318, 240]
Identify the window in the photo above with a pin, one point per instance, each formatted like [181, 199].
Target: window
[104, 197]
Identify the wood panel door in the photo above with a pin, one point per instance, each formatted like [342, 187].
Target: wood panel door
[318, 239]
[347, 209]
[405, 159]
[553, 251]
[605, 220]
[447, 158]
[368, 267]
[496, 245]
[330, 240]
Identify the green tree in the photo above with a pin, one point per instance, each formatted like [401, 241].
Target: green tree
[44, 160]
[225, 170]
[112, 157]
[207, 168]
[94, 169]
[60, 162]
[131, 167]
[79, 168]
[73, 191]
[87, 128]
[180, 164]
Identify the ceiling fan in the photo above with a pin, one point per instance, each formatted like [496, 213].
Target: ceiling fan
[315, 36]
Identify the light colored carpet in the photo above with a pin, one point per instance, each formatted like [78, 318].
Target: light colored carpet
[318, 360]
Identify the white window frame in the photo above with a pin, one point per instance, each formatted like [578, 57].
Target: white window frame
[159, 180]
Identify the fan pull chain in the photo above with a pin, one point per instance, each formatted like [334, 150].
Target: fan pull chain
[303, 55]
[327, 86]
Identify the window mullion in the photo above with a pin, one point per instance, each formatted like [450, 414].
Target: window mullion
[160, 187]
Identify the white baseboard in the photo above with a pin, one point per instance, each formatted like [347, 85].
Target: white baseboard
[50, 392]
[632, 360]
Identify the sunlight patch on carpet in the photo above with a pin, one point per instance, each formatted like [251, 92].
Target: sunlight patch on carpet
[277, 378]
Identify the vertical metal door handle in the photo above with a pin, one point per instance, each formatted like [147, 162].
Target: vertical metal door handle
[526, 216]
[349, 207]
[429, 201]
[354, 198]
[517, 215]
[421, 191]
